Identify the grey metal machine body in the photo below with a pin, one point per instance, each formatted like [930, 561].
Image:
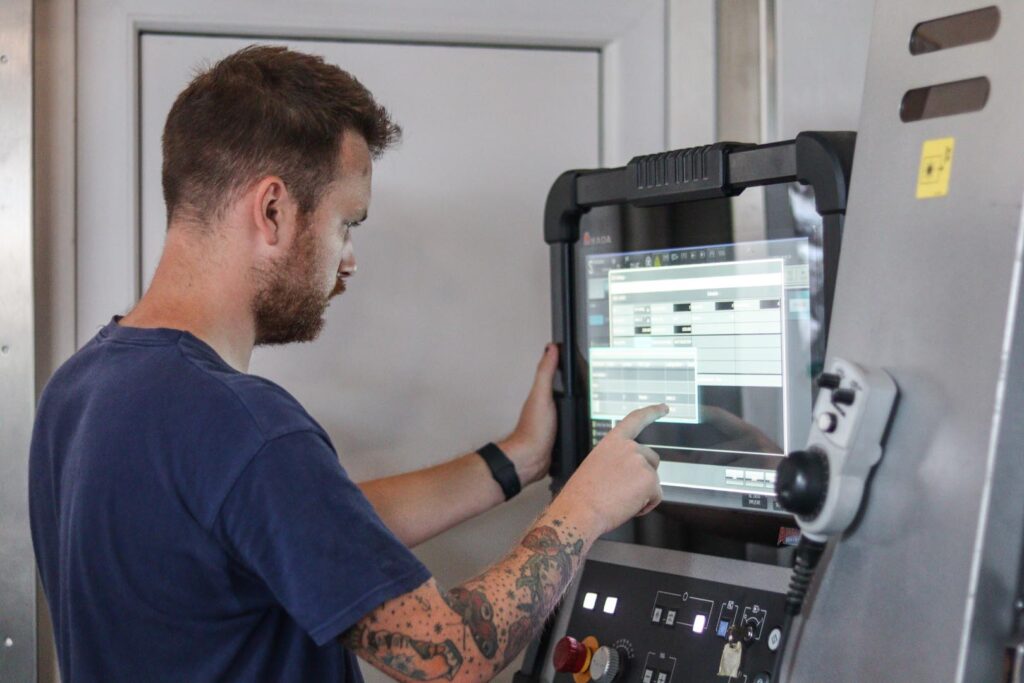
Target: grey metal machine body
[17, 344]
[923, 587]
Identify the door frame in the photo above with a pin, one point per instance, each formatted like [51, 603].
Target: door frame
[630, 38]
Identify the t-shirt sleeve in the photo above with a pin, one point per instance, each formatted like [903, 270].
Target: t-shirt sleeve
[296, 520]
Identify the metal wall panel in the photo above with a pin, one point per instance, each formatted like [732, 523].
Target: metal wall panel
[17, 356]
[922, 588]
[820, 87]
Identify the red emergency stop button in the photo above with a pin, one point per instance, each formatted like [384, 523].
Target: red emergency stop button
[571, 656]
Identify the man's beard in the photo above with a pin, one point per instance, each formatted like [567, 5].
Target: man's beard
[289, 305]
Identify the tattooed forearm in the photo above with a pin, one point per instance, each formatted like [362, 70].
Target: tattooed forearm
[477, 614]
[545, 575]
[529, 583]
[399, 653]
[549, 568]
[473, 631]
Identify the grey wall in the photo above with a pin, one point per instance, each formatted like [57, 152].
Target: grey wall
[821, 57]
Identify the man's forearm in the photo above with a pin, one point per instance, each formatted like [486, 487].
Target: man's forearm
[471, 632]
[420, 505]
[521, 591]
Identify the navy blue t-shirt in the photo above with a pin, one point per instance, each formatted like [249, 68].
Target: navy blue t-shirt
[192, 523]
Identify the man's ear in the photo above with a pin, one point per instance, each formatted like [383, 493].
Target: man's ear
[274, 211]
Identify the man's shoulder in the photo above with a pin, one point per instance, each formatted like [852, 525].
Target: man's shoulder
[266, 404]
[178, 379]
[272, 408]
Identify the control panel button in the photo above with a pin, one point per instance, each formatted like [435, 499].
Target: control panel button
[763, 677]
[648, 675]
[723, 628]
[774, 639]
[802, 482]
[670, 618]
[571, 656]
[753, 500]
[656, 616]
[844, 396]
[605, 664]
[827, 422]
[662, 677]
[828, 380]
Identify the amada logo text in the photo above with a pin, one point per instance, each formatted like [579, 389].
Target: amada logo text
[589, 239]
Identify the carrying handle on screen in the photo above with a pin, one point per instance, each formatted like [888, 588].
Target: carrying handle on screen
[822, 160]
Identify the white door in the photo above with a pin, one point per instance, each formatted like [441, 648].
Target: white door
[432, 349]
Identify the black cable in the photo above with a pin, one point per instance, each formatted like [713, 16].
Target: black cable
[805, 561]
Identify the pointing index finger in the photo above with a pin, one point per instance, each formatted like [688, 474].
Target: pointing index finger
[636, 421]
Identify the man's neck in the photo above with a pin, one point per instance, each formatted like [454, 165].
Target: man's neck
[213, 306]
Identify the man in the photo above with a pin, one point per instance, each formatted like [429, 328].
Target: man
[192, 522]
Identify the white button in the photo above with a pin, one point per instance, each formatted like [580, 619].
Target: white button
[699, 622]
[670, 618]
[827, 422]
[589, 600]
[610, 604]
[662, 677]
[656, 617]
[648, 674]
[774, 639]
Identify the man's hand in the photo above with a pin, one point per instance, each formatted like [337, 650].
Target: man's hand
[619, 479]
[418, 505]
[529, 445]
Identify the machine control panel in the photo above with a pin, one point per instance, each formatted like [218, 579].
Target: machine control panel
[628, 624]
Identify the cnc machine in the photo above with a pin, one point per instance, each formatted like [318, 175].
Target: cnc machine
[853, 372]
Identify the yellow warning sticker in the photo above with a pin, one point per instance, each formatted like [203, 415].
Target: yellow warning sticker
[936, 165]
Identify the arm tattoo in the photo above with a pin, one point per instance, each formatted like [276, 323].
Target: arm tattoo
[353, 638]
[500, 611]
[529, 586]
[419, 660]
[477, 617]
[545, 575]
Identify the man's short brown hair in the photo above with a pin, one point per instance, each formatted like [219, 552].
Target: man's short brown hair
[264, 111]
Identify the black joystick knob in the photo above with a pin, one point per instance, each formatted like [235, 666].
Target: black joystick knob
[801, 482]
[829, 380]
[844, 396]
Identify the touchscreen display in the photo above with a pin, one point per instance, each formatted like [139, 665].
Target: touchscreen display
[723, 335]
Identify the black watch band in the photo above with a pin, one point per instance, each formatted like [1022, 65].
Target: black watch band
[502, 469]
